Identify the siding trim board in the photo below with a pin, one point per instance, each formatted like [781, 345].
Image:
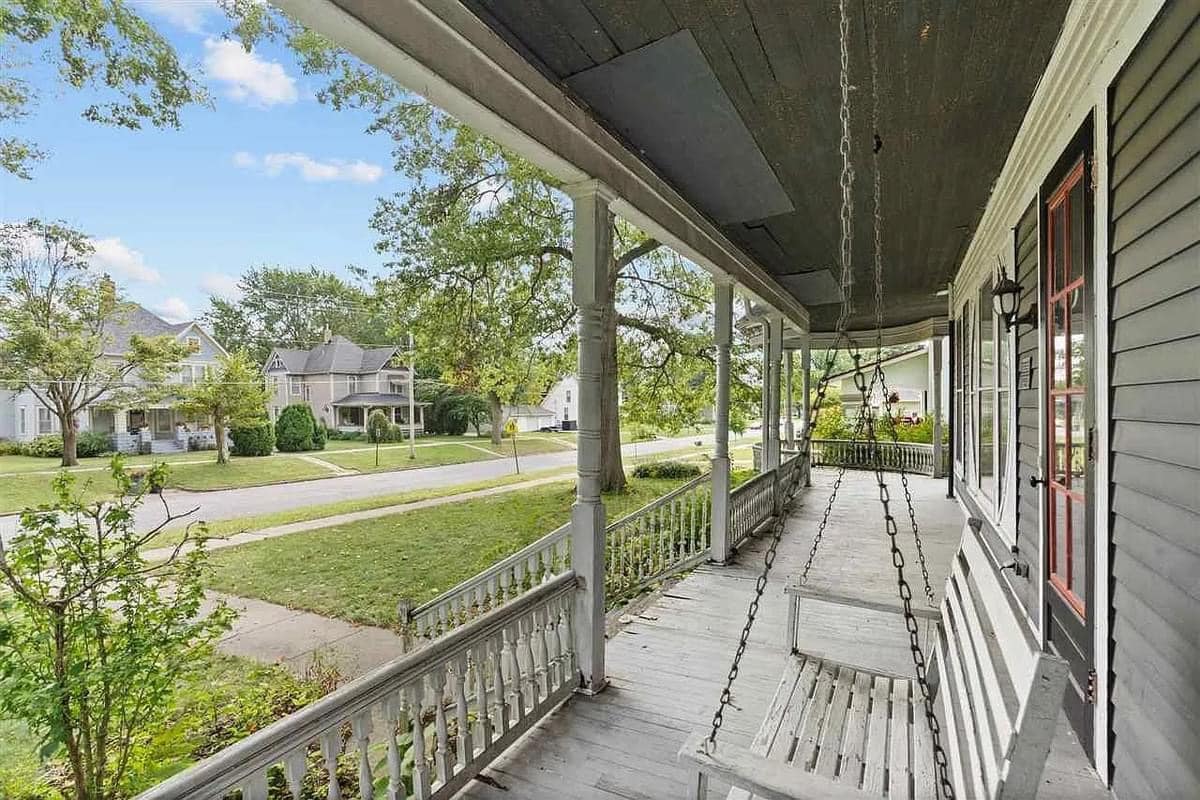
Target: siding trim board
[1154, 396]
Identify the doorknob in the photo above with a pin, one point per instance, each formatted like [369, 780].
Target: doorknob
[1034, 480]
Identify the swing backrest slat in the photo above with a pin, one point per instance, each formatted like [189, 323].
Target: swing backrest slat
[998, 694]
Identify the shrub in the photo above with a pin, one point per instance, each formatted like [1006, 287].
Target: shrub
[93, 443]
[378, 427]
[666, 469]
[294, 429]
[319, 433]
[333, 434]
[49, 446]
[10, 448]
[253, 440]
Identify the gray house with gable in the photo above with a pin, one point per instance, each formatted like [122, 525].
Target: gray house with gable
[342, 383]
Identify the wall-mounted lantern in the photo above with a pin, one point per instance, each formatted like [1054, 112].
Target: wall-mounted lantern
[1006, 299]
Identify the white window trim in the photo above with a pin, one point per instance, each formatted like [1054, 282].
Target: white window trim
[295, 386]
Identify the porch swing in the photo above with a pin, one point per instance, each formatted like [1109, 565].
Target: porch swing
[975, 721]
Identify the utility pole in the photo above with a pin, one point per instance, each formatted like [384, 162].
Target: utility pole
[412, 392]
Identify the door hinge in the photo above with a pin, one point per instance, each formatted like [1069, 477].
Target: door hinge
[1089, 694]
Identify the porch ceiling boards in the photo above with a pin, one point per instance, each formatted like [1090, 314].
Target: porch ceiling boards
[758, 79]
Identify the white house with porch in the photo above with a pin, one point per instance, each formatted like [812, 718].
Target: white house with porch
[1022, 178]
[152, 426]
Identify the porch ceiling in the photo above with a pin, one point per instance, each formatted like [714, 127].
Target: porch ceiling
[735, 103]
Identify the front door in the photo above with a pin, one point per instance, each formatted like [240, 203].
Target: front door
[164, 423]
[1070, 434]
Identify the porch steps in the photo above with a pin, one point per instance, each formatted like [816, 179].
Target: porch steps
[165, 446]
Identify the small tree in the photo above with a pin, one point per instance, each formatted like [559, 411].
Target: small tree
[737, 421]
[294, 429]
[234, 394]
[378, 429]
[93, 639]
[56, 321]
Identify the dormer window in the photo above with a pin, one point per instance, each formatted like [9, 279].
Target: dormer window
[276, 364]
[193, 344]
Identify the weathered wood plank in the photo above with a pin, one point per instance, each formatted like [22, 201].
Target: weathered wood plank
[805, 752]
[898, 749]
[877, 741]
[831, 737]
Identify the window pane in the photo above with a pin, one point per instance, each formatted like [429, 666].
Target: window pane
[1058, 320]
[987, 481]
[1058, 247]
[1078, 442]
[1058, 549]
[1001, 446]
[1075, 201]
[1077, 565]
[986, 336]
[1078, 366]
[1058, 453]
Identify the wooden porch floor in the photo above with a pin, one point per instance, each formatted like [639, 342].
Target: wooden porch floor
[667, 666]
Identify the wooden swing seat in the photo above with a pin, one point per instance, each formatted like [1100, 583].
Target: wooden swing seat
[839, 731]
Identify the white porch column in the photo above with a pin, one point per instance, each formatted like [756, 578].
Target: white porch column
[789, 431]
[806, 388]
[775, 355]
[592, 246]
[936, 346]
[764, 442]
[723, 338]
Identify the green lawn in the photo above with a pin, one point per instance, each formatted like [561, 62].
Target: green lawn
[359, 570]
[22, 464]
[460, 452]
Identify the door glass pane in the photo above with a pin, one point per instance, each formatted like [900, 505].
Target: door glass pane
[1058, 452]
[1078, 449]
[1058, 246]
[1076, 204]
[1058, 535]
[1077, 565]
[1078, 354]
[1059, 343]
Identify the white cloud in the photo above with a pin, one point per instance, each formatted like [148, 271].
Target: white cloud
[220, 284]
[190, 15]
[247, 77]
[309, 168]
[113, 256]
[173, 309]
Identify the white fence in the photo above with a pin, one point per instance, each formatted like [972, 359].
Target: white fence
[894, 456]
[449, 708]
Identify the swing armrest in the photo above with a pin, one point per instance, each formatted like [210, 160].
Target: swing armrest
[770, 780]
[919, 609]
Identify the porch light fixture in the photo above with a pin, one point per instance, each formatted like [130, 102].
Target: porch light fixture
[1006, 299]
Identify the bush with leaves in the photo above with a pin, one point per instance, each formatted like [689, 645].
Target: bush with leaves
[48, 446]
[294, 429]
[320, 435]
[253, 440]
[378, 426]
[666, 469]
[93, 638]
[92, 444]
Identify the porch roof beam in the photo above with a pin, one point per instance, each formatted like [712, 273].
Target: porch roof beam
[441, 51]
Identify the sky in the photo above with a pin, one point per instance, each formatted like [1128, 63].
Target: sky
[268, 176]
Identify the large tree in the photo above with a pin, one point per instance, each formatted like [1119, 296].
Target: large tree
[57, 323]
[281, 307]
[134, 74]
[233, 394]
[483, 239]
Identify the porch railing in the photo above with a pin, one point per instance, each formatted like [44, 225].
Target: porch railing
[455, 704]
[660, 538]
[750, 505]
[912, 457]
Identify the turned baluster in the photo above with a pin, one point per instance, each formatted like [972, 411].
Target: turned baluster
[553, 646]
[331, 747]
[525, 661]
[540, 653]
[360, 726]
[255, 788]
[415, 705]
[441, 744]
[295, 765]
[516, 700]
[483, 706]
[392, 708]
[466, 748]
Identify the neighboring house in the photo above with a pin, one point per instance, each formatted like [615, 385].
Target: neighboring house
[563, 401]
[155, 426]
[529, 418]
[908, 374]
[342, 383]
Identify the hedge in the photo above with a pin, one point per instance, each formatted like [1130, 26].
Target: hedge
[666, 469]
[294, 429]
[253, 440]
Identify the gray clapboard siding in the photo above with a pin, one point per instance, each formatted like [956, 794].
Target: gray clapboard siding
[1155, 409]
[1029, 537]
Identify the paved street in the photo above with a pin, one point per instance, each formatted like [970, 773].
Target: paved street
[232, 503]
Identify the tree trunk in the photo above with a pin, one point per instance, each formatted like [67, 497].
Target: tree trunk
[497, 413]
[222, 445]
[612, 470]
[70, 437]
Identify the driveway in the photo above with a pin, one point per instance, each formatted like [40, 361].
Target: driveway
[233, 503]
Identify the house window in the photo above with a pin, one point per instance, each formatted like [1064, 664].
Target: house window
[986, 453]
[568, 395]
[351, 384]
[193, 344]
[45, 421]
[307, 392]
[294, 385]
[22, 424]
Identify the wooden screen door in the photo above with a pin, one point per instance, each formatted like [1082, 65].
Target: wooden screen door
[1070, 434]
